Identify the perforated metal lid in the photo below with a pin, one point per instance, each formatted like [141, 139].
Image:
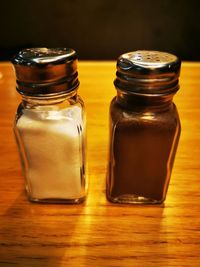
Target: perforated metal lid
[46, 70]
[148, 72]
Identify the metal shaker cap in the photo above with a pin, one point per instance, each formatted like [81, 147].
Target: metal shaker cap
[46, 70]
[148, 72]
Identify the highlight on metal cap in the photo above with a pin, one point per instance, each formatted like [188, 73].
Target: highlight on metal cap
[46, 70]
[148, 72]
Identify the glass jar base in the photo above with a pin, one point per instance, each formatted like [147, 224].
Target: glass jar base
[57, 200]
[133, 199]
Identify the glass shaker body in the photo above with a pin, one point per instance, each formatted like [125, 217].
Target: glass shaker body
[143, 144]
[144, 134]
[50, 134]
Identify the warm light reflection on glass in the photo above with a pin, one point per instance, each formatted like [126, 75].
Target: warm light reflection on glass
[148, 116]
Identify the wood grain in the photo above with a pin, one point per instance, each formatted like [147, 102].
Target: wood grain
[98, 233]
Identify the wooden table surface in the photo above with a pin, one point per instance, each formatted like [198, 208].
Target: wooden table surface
[98, 233]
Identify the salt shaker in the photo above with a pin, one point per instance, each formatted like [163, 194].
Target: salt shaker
[144, 127]
[50, 125]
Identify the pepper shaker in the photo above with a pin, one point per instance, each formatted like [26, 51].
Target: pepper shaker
[144, 127]
[50, 125]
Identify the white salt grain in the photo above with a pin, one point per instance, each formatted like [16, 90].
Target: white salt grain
[52, 145]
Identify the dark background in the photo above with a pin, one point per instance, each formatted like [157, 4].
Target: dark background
[101, 29]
